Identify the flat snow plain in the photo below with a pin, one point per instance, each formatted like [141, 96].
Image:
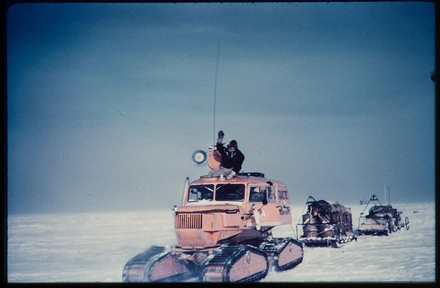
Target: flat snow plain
[94, 247]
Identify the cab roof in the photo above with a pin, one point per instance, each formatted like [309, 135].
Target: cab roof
[256, 178]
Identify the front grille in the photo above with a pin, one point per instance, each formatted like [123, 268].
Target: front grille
[189, 221]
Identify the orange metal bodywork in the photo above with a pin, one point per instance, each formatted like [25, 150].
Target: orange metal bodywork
[206, 223]
[214, 159]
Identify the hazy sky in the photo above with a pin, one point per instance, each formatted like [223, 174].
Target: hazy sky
[107, 102]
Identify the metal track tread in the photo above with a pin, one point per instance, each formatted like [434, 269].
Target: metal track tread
[140, 267]
[275, 247]
[220, 266]
[135, 267]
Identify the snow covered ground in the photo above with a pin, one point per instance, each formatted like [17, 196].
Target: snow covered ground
[94, 247]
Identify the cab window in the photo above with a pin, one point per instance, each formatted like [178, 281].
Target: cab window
[232, 192]
[200, 192]
[271, 198]
[256, 194]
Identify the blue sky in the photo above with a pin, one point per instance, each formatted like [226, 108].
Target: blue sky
[107, 102]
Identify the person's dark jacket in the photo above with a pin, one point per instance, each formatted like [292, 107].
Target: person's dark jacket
[230, 159]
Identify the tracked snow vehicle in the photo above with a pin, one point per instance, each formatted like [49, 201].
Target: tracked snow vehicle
[325, 224]
[224, 233]
[381, 219]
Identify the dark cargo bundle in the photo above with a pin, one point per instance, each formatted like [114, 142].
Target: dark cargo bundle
[325, 224]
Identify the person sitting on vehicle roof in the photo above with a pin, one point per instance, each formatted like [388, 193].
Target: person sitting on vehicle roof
[232, 159]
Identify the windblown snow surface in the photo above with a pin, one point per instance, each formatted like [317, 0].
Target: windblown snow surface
[94, 247]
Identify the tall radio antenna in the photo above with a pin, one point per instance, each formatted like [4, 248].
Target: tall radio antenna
[215, 86]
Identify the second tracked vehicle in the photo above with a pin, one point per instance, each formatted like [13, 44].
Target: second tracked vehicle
[224, 233]
[381, 219]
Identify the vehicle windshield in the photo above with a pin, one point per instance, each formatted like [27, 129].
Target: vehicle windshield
[200, 192]
[225, 192]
